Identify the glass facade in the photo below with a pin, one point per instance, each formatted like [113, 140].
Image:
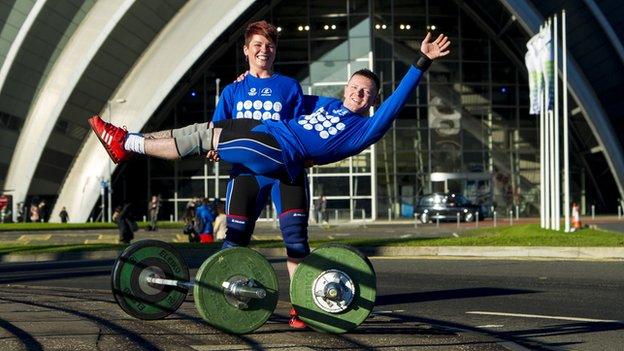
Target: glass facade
[465, 129]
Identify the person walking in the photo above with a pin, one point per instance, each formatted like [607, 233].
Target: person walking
[125, 224]
[154, 207]
[64, 215]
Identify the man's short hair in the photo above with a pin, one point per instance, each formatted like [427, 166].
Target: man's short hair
[262, 28]
[365, 72]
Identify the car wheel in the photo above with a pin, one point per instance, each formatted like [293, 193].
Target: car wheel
[469, 217]
[424, 218]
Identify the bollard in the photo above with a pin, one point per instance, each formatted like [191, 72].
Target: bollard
[437, 219]
[510, 217]
[457, 219]
[336, 215]
[389, 215]
[91, 219]
[517, 213]
[144, 219]
[477, 219]
[363, 214]
[619, 212]
[593, 209]
[494, 218]
[171, 218]
[415, 219]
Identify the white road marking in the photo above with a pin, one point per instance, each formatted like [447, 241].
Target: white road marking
[575, 319]
[490, 326]
[405, 236]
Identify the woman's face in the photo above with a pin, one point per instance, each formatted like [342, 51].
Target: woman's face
[260, 53]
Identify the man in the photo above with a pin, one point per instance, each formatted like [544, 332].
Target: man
[334, 130]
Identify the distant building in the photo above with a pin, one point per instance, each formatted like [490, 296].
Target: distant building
[151, 65]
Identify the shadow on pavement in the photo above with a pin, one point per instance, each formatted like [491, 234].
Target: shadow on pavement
[395, 299]
[29, 342]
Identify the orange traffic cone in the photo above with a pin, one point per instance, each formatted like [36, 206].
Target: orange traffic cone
[576, 217]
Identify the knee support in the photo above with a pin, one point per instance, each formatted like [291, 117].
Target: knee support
[197, 142]
[188, 130]
[294, 227]
[238, 232]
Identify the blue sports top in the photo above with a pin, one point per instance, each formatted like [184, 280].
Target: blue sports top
[206, 216]
[332, 132]
[275, 98]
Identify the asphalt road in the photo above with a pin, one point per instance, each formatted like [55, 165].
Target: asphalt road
[424, 303]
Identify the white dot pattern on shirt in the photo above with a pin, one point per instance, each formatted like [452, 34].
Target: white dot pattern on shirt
[324, 124]
[258, 109]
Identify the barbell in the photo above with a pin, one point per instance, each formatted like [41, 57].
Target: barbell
[236, 289]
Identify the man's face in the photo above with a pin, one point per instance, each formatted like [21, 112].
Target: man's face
[360, 94]
[260, 53]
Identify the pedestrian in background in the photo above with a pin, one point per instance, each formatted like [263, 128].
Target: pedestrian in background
[125, 223]
[64, 215]
[42, 211]
[220, 223]
[34, 213]
[154, 206]
[204, 218]
[321, 209]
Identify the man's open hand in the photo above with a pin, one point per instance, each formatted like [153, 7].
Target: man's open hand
[436, 48]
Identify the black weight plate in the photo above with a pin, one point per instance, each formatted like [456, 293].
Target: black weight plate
[137, 297]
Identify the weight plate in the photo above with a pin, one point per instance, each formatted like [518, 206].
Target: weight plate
[324, 261]
[134, 294]
[232, 265]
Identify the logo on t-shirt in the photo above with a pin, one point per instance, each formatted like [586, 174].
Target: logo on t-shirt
[252, 92]
[340, 112]
[266, 92]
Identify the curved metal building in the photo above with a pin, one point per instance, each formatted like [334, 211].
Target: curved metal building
[159, 64]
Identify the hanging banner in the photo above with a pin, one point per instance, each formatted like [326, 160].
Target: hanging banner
[535, 76]
[546, 58]
[539, 62]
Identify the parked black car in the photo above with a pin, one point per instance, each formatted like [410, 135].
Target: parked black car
[445, 207]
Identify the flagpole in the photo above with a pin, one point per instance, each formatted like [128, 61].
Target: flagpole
[557, 165]
[566, 141]
[546, 146]
[542, 131]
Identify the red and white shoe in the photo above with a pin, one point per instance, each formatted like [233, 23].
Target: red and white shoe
[112, 137]
[294, 321]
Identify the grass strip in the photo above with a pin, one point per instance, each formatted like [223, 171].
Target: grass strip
[36, 226]
[520, 235]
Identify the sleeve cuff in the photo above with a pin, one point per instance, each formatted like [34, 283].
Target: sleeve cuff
[423, 62]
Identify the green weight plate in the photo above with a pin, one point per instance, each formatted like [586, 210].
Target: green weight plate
[216, 307]
[361, 276]
[134, 294]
